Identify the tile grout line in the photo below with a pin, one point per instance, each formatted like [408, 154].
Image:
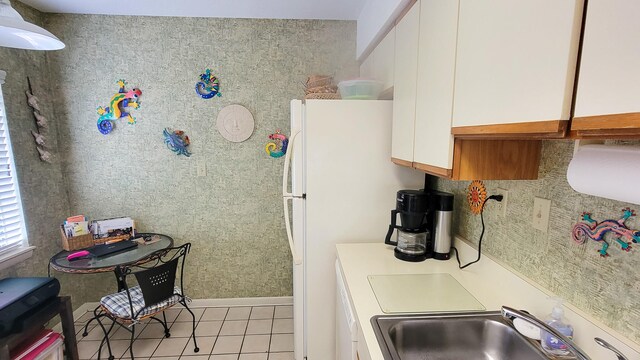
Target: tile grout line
[138, 338]
[219, 330]
[245, 333]
[162, 338]
[193, 319]
[199, 320]
[273, 320]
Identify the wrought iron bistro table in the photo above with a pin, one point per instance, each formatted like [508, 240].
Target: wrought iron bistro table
[94, 265]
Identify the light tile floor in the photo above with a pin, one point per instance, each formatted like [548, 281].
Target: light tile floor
[236, 333]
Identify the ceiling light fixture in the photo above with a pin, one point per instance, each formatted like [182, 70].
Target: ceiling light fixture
[19, 34]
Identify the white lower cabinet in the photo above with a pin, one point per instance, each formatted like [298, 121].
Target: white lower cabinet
[346, 324]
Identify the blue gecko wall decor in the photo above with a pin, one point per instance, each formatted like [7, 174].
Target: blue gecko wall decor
[591, 229]
[209, 86]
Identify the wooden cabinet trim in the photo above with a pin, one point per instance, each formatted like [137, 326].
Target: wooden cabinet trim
[433, 170]
[601, 122]
[402, 162]
[529, 130]
[606, 134]
[496, 159]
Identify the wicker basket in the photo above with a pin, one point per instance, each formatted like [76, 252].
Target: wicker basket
[329, 89]
[76, 242]
[85, 241]
[323, 96]
[318, 80]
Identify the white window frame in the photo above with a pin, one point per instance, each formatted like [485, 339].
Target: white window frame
[22, 251]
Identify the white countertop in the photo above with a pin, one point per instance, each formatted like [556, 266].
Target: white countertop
[489, 282]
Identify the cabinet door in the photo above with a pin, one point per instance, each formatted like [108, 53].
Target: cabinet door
[384, 60]
[436, 67]
[515, 61]
[609, 80]
[366, 68]
[379, 64]
[405, 80]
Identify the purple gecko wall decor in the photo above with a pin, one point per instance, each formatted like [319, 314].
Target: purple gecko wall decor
[591, 229]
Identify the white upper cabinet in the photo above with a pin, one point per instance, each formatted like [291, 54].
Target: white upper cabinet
[405, 81]
[379, 64]
[436, 68]
[609, 80]
[375, 18]
[515, 61]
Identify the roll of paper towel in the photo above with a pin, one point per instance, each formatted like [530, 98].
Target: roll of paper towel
[608, 171]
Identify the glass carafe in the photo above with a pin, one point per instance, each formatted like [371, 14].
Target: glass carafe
[412, 243]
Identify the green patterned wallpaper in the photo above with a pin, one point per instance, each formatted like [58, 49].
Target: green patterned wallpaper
[234, 215]
[44, 196]
[607, 288]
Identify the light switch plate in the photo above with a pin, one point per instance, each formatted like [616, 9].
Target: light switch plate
[541, 209]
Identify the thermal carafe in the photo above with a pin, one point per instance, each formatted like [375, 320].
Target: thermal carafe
[442, 205]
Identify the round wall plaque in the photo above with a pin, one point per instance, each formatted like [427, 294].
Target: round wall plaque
[235, 123]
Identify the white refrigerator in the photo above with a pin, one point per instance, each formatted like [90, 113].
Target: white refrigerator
[342, 188]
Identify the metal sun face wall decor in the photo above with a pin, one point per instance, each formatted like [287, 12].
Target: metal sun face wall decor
[117, 108]
[235, 123]
[596, 231]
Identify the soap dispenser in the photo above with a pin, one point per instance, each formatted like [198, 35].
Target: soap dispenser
[550, 343]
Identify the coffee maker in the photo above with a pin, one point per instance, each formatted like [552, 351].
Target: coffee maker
[425, 225]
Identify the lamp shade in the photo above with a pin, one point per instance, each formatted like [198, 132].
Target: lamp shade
[19, 34]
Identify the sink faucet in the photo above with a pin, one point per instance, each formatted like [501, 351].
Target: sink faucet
[605, 344]
[508, 313]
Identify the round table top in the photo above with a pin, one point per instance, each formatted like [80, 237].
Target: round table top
[94, 264]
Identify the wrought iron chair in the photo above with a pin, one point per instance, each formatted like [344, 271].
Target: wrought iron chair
[156, 292]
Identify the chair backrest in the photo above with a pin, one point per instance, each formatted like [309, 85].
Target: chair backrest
[157, 276]
[158, 282]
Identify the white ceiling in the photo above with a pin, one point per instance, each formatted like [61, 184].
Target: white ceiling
[266, 9]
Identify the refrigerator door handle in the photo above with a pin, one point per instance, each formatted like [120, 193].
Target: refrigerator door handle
[286, 196]
[287, 166]
[296, 258]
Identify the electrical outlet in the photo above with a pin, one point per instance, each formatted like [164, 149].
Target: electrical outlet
[541, 209]
[201, 169]
[501, 207]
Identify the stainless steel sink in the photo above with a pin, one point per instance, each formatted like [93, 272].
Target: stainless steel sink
[459, 336]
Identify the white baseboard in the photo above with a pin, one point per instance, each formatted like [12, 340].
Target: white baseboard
[200, 303]
[255, 301]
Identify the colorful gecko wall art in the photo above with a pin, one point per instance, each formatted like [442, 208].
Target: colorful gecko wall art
[278, 147]
[117, 108]
[209, 86]
[591, 229]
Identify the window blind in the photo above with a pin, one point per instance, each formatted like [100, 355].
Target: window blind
[12, 229]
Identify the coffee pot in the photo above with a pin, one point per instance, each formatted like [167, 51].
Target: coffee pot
[425, 225]
[412, 235]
